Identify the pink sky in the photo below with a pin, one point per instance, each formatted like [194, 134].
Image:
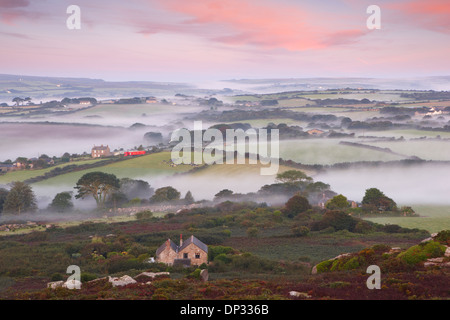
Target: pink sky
[192, 40]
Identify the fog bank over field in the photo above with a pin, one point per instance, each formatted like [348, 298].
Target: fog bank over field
[32, 140]
[408, 185]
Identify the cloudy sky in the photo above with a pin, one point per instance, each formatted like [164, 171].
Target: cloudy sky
[192, 40]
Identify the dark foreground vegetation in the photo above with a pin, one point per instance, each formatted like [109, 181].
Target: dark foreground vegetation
[255, 252]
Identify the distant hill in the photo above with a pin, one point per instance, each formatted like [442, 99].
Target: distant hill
[49, 88]
[437, 83]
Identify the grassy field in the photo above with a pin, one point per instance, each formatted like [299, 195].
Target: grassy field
[434, 218]
[412, 133]
[424, 149]
[23, 175]
[132, 110]
[149, 165]
[329, 152]
[260, 123]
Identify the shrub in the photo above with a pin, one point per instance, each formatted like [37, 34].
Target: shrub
[86, 277]
[324, 266]
[443, 237]
[300, 231]
[223, 257]
[351, 264]
[339, 220]
[363, 227]
[144, 215]
[57, 277]
[214, 251]
[137, 249]
[252, 232]
[296, 205]
[195, 274]
[422, 252]
[380, 248]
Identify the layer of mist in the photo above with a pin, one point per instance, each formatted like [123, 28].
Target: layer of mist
[415, 184]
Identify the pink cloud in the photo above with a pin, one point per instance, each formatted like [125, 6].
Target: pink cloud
[430, 14]
[14, 3]
[258, 23]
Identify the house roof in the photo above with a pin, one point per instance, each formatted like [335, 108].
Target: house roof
[100, 147]
[177, 248]
[195, 241]
[172, 245]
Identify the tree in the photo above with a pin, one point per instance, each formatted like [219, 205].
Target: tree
[223, 194]
[17, 100]
[135, 188]
[188, 198]
[20, 199]
[338, 202]
[3, 195]
[65, 157]
[98, 185]
[339, 220]
[296, 205]
[292, 176]
[375, 200]
[165, 194]
[62, 202]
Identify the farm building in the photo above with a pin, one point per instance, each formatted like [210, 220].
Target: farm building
[315, 132]
[100, 151]
[190, 252]
[7, 167]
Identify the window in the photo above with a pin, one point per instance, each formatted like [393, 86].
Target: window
[197, 256]
[185, 255]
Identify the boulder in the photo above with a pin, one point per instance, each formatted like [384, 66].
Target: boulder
[314, 270]
[447, 252]
[204, 275]
[55, 284]
[72, 284]
[152, 274]
[122, 281]
[296, 294]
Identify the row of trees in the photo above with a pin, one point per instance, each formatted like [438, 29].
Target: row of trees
[107, 189]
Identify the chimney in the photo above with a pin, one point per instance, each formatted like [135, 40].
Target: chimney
[181, 239]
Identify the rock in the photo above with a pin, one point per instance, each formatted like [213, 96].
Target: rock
[436, 260]
[297, 294]
[341, 256]
[72, 284]
[394, 250]
[122, 281]
[55, 284]
[152, 274]
[204, 275]
[314, 270]
[447, 252]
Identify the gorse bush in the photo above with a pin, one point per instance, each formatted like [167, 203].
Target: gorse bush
[422, 252]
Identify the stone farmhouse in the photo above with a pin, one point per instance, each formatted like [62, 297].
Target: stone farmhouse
[100, 151]
[189, 252]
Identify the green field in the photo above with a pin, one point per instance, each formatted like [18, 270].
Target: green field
[433, 218]
[149, 165]
[132, 110]
[23, 175]
[329, 151]
[424, 149]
